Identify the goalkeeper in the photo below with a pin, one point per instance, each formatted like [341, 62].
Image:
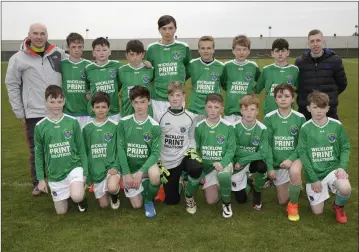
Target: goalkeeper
[177, 150]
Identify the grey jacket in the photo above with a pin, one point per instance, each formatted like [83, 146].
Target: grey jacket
[28, 75]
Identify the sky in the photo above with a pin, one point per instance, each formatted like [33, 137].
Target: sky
[139, 20]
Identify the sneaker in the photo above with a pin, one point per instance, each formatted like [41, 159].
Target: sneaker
[227, 210]
[115, 201]
[292, 210]
[340, 214]
[82, 206]
[257, 200]
[36, 191]
[150, 210]
[191, 205]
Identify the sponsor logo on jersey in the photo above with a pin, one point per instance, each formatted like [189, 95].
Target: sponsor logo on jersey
[146, 80]
[183, 129]
[332, 137]
[234, 184]
[112, 73]
[214, 76]
[255, 141]
[290, 79]
[248, 76]
[294, 130]
[220, 139]
[67, 133]
[108, 136]
[83, 74]
[54, 193]
[147, 137]
[176, 54]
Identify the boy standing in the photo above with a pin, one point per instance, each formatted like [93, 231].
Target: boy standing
[252, 152]
[239, 77]
[324, 150]
[283, 126]
[215, 143]
[100, 143]
[206, 76]
[132, 74]
[102, 76]
[74, 79]
[279, 72]
[59, 146]
[139, 148]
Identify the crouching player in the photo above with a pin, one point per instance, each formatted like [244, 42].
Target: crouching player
[252, 152]
[139, 148]
[100, 143]
[324, 150]
[177, 127]
[283, 126]
[59, 146]
[215, 142]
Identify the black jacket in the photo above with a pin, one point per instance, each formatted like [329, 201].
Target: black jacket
[325, 74]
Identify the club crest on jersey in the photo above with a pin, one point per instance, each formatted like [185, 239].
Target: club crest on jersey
[83, 74]
[255, 141]
[176, 54]
[290, 79]
[220, 139]
[67, 134]
[146, 80]
[112, 73]
[332, 137]
[248, 76]
[183, 129]
[147, 137]
[108, 136]
[214, 76]
[294, 130]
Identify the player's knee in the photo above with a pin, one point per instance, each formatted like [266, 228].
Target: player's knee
[211, 201]
[241, 196]
[103, 204]
[283, 200]
[77, 195]
[317, 211]
[345, 190]
[113, 188]
[136, 204]
[194, 168]
[61, 211]
[258, 166]
[154, 175]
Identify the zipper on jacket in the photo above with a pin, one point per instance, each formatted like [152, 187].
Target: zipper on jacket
[315, 72]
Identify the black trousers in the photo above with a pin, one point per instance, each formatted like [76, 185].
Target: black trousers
[30, 127]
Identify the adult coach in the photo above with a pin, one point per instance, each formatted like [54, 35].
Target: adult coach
[320, 69]
[30, 71]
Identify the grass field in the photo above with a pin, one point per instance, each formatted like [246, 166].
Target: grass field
[30, 223]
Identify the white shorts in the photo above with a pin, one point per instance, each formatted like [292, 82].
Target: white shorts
[281, 176]
[197, 118]
[159, 108]
[327, 184]
[61, 190]
[115, 118]
[212, 177]
[101, 188]
[232, 118]
[83, 120]
[131, 192]
[239, 180]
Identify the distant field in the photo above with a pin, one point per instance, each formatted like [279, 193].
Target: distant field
[30, 224]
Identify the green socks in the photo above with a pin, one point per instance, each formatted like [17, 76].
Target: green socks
[259, 181]
[192, 186]
[340, 199]
[225, 185]
[149, 191]
[294, 191]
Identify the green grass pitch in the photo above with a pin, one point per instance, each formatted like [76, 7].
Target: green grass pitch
[30, 223]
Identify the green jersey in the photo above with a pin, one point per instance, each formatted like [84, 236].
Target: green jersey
[206, 79]
[283, 134]
[138, 144]
[60, 147]
[239, 79]
[129, 77]
[251, 144]
[323, 149]
[215, 143]
[100, 143]
[271, 76]
[170, 63]
[74, 86]
[104, 78]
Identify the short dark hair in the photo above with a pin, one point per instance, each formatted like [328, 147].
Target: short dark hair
[284, 86]
[73, 37]
[139, 91]
[100, 41]
[165, 20]
[100, 96]
[215, 98]
[135, 45]
[314, 32]
[280, 44]
[54, 91]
